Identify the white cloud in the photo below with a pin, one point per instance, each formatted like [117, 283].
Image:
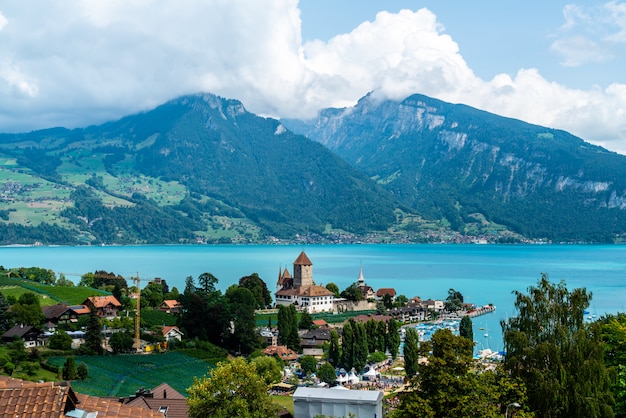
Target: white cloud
[78, 62]
[578, 50]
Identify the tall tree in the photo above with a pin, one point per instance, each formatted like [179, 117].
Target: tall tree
[258, 288]
[333, 350]
[306, 321]
[93, 337]
[451, 384]
[27, 310]
[347, 346]
[465, 328]
[392, 341]
[5, 314]
[232, 389]
[241, 305]
[288, 327]
[411, 351]
[557, 355]
[360, 345]
[454, 301]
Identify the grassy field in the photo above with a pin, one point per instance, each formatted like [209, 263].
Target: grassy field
[282, 400]
[122, 375]
[48, 295]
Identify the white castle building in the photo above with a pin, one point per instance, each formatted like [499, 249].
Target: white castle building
[300, 290]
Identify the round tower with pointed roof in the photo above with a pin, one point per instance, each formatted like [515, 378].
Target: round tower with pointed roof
[302, 271]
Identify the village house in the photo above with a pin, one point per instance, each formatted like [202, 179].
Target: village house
[170, 306]
[104, 306]
[282, 352]
[380, 293]
[312, 342]
[62, 315]
[172, 333]
[300, 290]
[31, 336]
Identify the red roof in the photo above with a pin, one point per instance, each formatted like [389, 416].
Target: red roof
[303, 260]
[386, 291]
[102, 301]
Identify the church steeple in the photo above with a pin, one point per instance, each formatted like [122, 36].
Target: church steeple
[361, 279]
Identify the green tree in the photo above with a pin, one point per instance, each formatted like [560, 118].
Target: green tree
[411, 351]
[465, 328]
[232, 389]
[451, 384]
[93, 337]
[306, 321]
[60, 340]
[269, 368]
[454, 301]
[257, 286]
[360, 345]
[308, 364]
[392, 340]
[69, 369]
[151, 295]
[557, 355]
[82, 371]
[121, 342]
[381, 335]
[347, 346]
[353, 293]
[241, 306]
[327, 374]
[288, 327]
[5, 315]
[333, 288]
[28, 311]
[333, 350]
[401, 300]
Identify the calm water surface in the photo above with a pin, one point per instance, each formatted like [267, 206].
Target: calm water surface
[482, 273]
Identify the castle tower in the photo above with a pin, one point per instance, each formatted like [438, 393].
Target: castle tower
[302, 271]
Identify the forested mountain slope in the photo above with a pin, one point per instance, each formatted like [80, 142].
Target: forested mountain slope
[453, 161]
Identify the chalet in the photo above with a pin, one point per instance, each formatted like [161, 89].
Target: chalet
[312, 342]
[282, 352]
[172, 333]
[104, 306]
[171, 306]
[300, 290]
[62, 315]
[31, 336]
[380, 293]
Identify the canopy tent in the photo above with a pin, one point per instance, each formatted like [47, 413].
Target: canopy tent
[342, 378]
[353, 378]
[370, 374]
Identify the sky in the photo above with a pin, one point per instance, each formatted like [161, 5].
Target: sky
[75, 63]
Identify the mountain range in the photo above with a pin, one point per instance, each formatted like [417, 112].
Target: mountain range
[201, 168]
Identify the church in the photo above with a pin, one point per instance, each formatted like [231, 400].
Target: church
[300, 290]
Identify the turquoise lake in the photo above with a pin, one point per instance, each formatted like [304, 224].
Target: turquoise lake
[482, 273]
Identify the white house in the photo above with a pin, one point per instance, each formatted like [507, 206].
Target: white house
[311, 402]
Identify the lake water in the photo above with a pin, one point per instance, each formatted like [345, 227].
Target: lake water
[482, 273]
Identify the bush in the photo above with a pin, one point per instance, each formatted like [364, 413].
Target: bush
[82, 372]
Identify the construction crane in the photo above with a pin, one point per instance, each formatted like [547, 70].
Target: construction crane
[136, 280]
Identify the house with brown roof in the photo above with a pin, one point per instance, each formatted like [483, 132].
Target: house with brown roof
[104, 306]
[282, 352]
[380, 293]
[62, 315]
[31, 336]
[300, 290]
[162, 399]
[171, 306]
[312, 341]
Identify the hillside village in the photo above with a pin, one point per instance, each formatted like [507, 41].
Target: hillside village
[296, 290]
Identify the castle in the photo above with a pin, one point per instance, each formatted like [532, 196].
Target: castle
[300, 290]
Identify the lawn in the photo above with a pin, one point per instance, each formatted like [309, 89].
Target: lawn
[122, 375]
[283, 400]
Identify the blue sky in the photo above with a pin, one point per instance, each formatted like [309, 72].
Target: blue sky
[80, 62]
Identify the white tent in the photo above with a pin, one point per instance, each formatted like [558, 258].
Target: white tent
[353, 378]
[342, 378]
[370, 374]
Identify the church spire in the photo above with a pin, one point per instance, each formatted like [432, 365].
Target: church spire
[361, 279]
